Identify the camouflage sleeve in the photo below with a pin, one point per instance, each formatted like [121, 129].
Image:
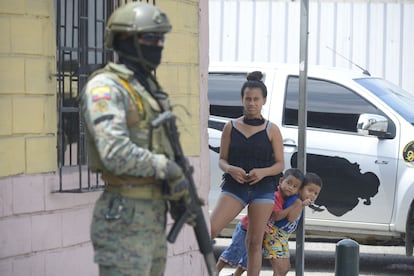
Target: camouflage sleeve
[104, 105]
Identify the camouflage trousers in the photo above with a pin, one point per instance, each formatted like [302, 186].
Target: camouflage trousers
[131, 239]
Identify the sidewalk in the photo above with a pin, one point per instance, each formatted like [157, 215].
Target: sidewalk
[320, 259]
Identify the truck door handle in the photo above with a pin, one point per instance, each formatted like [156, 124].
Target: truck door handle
[290, 143]
[215, 149]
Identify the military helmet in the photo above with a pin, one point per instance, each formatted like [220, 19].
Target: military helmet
[133, 18]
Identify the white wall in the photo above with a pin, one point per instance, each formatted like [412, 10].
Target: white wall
[376, 35]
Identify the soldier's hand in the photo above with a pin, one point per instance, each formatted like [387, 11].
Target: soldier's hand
[178, 208]
[178, 185]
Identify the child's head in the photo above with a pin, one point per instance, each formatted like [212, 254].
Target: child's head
[290, 182]
[311, 187]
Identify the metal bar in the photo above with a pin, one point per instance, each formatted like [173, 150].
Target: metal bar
[83, 43]
[302, 121]
[59, 65]
[73, 19]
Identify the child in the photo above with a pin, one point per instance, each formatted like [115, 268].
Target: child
[287, 192]
[284, 222]
[236, 253]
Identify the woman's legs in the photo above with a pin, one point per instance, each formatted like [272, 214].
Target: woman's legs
[258, 216]
[281, 266]
[226, 209]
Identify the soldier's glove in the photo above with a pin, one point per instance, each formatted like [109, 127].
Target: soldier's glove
[177, 183]
[180, 208]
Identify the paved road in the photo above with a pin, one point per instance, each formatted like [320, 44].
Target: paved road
[320, 260]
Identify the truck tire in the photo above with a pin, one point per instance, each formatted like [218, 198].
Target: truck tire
[409, 233]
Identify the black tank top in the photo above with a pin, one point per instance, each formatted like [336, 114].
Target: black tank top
[251, 152]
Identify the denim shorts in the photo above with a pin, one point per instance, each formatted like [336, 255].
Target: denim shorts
[262, 192]
[236, 253]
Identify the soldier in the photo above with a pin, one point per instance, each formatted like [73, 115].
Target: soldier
[135, 161]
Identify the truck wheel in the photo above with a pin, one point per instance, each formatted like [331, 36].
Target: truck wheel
[409, 233]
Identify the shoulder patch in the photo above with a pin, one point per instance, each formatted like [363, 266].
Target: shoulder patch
[101, 93]
[101, 106]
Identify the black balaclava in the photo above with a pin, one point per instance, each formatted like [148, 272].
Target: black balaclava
[152, 54]
[141, 59]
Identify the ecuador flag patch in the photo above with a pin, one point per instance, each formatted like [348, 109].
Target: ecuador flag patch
[101, 93]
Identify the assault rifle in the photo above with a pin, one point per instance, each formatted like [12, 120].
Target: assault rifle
[168, 120]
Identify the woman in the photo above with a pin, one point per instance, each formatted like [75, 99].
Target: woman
[251, 155]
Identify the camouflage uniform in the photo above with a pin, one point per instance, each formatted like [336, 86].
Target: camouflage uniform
[137, 238]
[136, 242]
[129, 219]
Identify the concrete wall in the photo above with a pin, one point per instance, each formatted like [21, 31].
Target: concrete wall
[27, 90]
[44, 233]
[47, 233]
[183, 75]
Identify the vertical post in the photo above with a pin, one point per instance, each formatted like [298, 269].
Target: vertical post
[347, 258]
[302, 119]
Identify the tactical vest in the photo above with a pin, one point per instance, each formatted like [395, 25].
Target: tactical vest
[142, 109]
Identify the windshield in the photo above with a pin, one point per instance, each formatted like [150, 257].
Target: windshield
[400, 100]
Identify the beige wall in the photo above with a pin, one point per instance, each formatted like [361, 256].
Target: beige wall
[183, 75]
[27, 88]
[47, 233]
[180, 73]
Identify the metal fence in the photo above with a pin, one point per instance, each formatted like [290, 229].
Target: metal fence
[376, 35]
[80, 26]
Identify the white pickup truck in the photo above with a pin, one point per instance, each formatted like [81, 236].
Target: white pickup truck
[359, 139]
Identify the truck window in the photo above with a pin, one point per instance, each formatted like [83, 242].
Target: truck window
[224, 94]
[398, 99]
[330, 105]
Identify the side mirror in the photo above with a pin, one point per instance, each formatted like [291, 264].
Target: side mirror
[373, 124]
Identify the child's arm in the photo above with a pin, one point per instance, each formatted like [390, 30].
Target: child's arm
[296, 209]
[280, 214]
[283, 207]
